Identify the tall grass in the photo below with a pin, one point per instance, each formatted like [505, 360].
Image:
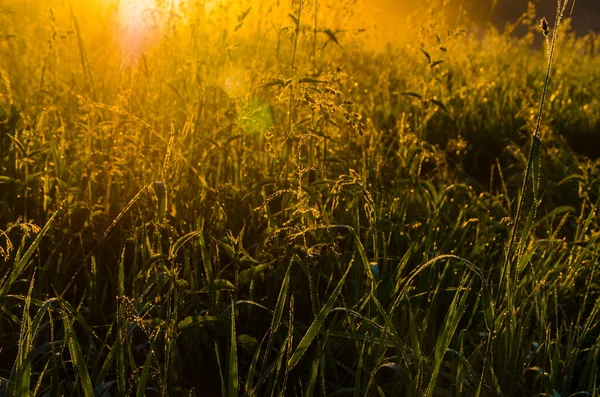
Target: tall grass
[277, 209]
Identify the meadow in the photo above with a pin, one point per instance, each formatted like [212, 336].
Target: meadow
[255, 200]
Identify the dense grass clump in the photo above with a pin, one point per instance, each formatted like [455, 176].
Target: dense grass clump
[252, 208]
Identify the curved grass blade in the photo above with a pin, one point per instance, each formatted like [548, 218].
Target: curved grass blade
[181, 241]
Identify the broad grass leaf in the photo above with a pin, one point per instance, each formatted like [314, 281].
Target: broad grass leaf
[455, 312]
[78, 358]
[316, 325]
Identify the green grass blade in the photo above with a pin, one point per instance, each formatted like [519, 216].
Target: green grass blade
[281, 300]
[21, 375]
[359, 369]
[121, 369]
[316, 325]
[218, 356]
[232, 377]
[455, 313]
[77, 357]
[35, 324]
[208, 269]
[107, 364]
[312, 381]
[143, 379]
[180, 242]
[536, 152]
[362, 254]
[252, 369]
[279, 306]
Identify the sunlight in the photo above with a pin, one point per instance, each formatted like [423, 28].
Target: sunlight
[135, 25]
[139, 21]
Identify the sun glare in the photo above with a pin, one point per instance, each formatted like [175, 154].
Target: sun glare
[135, 25]
[139, 21]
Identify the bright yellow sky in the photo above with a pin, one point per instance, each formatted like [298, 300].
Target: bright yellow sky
[383, 19]
[137, 19]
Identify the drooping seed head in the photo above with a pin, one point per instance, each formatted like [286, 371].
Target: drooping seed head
[545, 27]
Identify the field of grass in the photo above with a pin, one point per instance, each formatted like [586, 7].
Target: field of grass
[268, 206]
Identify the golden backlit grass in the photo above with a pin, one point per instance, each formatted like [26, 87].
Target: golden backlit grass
[237, 201]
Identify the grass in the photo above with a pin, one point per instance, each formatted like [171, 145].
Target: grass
[275, 209]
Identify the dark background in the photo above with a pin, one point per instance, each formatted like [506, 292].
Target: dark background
[586, 14]
[389, 14]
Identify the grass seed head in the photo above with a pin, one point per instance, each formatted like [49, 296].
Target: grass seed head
[545, 27]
